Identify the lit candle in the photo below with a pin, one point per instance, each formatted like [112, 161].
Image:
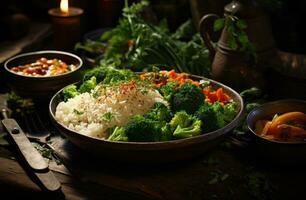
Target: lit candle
[66, 25]
[64, 6]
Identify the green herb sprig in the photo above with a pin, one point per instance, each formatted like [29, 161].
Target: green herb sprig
[238, 38]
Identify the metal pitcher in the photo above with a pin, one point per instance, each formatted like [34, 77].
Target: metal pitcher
[230, 66]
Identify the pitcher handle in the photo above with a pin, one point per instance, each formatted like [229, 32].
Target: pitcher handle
[205, 26]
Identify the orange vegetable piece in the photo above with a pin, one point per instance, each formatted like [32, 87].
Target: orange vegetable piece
[259, 126]
[285, 118]
[217, 95]
[266, 128]
[289, 132]
[172, 73]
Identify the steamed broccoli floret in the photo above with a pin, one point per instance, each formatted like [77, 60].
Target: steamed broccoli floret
[115, 76]
[160, 113]
[190, 131]
[219, 112]
[168, 90]
[109, 75]
[208, 117]
[188, 98]
[98, 72]
[181, 118]
[224, 114]
[166, 133]
[70, 91]
[118, 135]
[141, 129]
[230, 111]
[184, 125]
[88, 85]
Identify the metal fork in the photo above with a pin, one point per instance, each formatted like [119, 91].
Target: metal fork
[36, 131]
[35, 128]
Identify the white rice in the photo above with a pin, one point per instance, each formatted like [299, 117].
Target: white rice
[106, 106]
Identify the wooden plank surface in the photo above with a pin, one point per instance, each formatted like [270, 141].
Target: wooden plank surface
[227, 172]
[14, 178]
[221, 174]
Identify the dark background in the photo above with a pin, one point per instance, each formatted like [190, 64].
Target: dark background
[287, 17]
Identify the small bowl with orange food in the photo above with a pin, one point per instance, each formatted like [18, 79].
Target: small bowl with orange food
[279, 130]
[40, 74]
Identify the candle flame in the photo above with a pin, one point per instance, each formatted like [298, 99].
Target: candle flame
[64, 6]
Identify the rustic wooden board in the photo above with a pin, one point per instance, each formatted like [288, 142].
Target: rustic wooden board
[223, 173]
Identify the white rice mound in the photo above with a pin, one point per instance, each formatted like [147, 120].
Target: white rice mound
[93, 113]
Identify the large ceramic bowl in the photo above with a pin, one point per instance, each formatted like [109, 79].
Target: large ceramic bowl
[41, 87]
[150, 152]
[279, 151]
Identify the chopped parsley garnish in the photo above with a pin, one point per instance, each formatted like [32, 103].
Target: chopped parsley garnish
[108, 116]
[96, 94]
[78, 112]
[144, 91]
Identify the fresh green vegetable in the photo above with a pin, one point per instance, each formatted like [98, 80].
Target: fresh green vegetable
[185, 125]
[115, 76]
[118, 135]
[141, 129]
[47, 152]
[108, 116]
[160, 113]
[181, 118]
[78, 112]
[70, 91]
[188, 97]
[88, 85]
[208, 117]
[187, 115]
[93, 47]
[230, 111]
[98, 72]
[219, 112]
[109, 75]
[185, 31]
[190, 131]
[166, 133]
[139, 45]
[251, 94]
[237, 37]
[168, 90]
[19, 105]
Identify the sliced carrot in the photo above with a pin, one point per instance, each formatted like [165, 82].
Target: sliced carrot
[289, 132]
[266, 129]
[285, 118]
[259, 126]
[172, 73]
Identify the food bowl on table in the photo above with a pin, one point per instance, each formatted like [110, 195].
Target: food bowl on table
[40, 74]
[284, 141]
[151, 152]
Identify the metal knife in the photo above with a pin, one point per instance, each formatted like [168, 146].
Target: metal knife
[33, 158]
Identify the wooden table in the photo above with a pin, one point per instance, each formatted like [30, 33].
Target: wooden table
[227, 172]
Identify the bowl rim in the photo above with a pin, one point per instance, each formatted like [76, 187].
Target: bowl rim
[266, 106]
[79, 65]
[165, 144]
